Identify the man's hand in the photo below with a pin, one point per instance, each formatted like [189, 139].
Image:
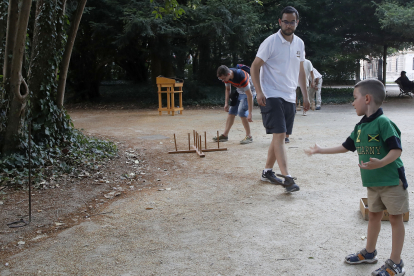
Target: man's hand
[226, 107]
[249, 118]
[306, 104]
[261, 99]
[373, 163]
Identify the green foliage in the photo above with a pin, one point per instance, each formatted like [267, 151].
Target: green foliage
[195, 94]
[336, 95]
[170, 7]
[56, 146]
[397, 16]
[76, 153]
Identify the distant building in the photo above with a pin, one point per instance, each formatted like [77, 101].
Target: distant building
[401, 61]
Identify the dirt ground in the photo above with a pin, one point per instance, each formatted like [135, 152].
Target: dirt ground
[205, 216]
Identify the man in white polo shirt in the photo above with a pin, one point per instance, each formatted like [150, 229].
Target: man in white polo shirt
[276, 71]
[316, 88]
[308, 67]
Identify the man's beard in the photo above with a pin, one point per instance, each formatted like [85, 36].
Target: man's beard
[288, 32]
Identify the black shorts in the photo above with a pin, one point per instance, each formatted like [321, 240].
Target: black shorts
[278, 116]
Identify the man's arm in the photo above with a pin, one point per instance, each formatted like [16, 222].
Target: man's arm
[255, 73]
[302, 84]
[250, 104]
[227, 97]
[312, 80]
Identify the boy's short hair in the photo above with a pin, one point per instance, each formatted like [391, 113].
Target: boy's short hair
[289, 9]
[372, 87]
[223, 70]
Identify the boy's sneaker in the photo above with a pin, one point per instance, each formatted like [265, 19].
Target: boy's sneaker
[318, 108]
[247, 140]
[287, 140]
[270, 176]
[289, 183]
[222, 138]
[362, 257]
[390, 269]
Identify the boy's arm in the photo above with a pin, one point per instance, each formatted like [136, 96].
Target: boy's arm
[227, 96]
[317, 149]
[375, 163]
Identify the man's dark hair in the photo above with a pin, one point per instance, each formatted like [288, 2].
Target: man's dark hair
[223, 70]
[403, 73]
[289, 9]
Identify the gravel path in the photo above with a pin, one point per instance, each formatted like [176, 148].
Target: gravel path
[218, 218]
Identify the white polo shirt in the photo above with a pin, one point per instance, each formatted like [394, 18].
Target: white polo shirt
[316, 74]
[307, 65]
[280, 73]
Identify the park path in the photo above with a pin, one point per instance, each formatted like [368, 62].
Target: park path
[218, 218]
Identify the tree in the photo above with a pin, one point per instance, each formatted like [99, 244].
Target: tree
[396, 16]
[47, 48]
[357, 26]
[12, 73]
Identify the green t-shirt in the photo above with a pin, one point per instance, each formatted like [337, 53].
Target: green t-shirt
[374, 137]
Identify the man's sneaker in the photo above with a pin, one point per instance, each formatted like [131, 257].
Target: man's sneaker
[289, 183]
[222, 138]
[390, 269]
[287, 140]
[304, 113]
[362, 257]
[318, 107]
[270, 176]
[247, 140]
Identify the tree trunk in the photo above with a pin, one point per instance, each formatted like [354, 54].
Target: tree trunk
[43, 64]
[12, 21]
[380, 72]
[384, 65]
[18, 98]
[68, 52]
[196, 54]
[358, 71]
[204, 61]
[3, 24]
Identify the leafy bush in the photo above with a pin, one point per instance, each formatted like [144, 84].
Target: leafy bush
[77, 152]
[336, 95]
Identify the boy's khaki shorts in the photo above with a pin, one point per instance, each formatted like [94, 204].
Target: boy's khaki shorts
[394, 199]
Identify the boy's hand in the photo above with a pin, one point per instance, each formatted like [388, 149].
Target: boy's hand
[373, 163]
[312, 150]
[226, 108]
[249, 118]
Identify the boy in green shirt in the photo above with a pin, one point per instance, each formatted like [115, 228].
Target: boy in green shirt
[377, 141]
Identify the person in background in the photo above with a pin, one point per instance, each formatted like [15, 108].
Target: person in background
[404, 81]
[316, 89]
[241, 100]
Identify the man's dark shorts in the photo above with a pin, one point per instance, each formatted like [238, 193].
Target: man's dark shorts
[278, 116]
